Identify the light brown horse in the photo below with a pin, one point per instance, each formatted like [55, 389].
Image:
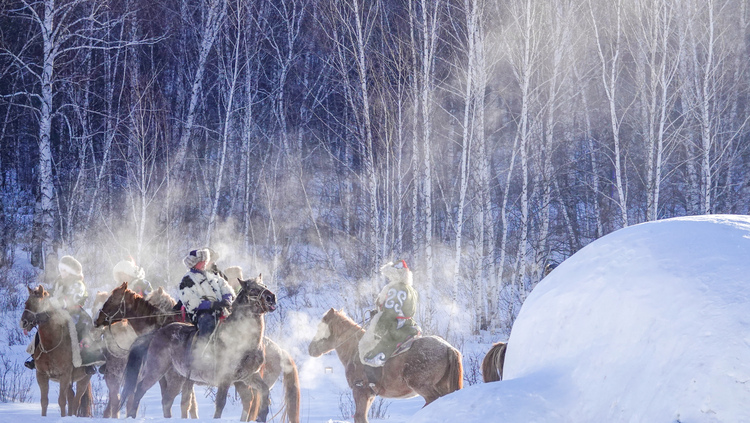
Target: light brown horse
[430, 368]
[143, 316]
[277, 361]
[232, 354]
[53, 355]
[492, 365]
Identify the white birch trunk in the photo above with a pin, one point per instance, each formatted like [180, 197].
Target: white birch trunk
[211, 25]
[609, 80]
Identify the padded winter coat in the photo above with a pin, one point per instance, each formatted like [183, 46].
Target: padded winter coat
[392, 325]
[69, 292]
[199, 290]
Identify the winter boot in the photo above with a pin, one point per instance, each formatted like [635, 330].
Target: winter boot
[30, 363]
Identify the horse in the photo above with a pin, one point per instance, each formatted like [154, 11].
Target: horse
[175, 347]
[492, 365]
[53, 355]
[431, 368]
[141, 316]
[277, 361]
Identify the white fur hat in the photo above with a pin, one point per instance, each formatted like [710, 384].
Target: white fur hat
[196, 256]
[397, 272]
[70, 266]
[234, 275]
[129, 268]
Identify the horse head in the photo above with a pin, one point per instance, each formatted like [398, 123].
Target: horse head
[114, 308]
[36, 310]
[325, 338]
[255, 295]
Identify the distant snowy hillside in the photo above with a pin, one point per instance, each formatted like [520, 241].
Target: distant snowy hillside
[648, 324]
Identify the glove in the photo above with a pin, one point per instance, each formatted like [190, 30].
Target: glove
[205, 305]
[220, 305]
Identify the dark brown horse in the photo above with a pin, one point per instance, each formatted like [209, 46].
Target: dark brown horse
[143, 316]
[233, 354]
[53, 355]
[492, 365]
[277, 361]
[430, 368]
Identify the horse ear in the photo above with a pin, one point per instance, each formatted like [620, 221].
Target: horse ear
[260, 277]
[123, 286]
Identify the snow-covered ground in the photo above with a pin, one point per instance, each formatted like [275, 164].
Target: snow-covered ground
[648, 324]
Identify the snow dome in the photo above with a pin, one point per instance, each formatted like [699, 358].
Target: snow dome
[648, 324]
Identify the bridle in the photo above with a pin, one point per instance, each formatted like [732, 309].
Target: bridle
[256, 300]
[35, 322]
[121, 308]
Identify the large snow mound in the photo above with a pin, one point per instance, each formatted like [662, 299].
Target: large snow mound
[648, 324]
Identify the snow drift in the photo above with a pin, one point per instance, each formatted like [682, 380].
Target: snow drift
[648, 324]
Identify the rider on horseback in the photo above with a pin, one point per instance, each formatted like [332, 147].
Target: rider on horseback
[392, 324]
[69, 293]
[128, 271]
[204, 292]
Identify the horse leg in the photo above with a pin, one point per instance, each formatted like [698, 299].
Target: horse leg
[81, 387]
[152, 374]
[188, 404]
[221, 398]
[113, 386]
[362, 401]
[262, 396]
[43, 381]
[169, 390]
[246, 395]
[62, 397]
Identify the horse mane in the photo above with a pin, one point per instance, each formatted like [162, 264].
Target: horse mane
[161, 299]
[342, 320]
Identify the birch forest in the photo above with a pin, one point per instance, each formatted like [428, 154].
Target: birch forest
[315, 140]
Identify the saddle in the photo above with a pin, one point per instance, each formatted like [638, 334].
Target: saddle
[404, 346]
[374, 374]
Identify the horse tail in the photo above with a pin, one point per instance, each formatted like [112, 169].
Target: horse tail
[136, 356]
[454, 375]
[291, 388]
[87, 400]
[492, 365]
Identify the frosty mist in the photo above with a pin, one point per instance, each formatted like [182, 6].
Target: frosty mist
[313, 141]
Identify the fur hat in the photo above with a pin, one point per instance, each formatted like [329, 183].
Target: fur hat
[397, 272]
[129, 268]
[234, 276]
[70, 266]
[197, 256]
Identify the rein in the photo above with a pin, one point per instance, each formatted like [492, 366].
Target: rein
[356, 328]
[37, 322]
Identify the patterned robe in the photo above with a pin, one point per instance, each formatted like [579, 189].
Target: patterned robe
[392, 325]
[200, 289]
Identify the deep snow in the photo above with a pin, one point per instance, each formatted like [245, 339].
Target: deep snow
[648, 324]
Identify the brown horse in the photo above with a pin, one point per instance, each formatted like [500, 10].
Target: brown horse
[430, 368]
[277, 361]
[143, 316]
[492, 365]
[53, 355]
[232, 354]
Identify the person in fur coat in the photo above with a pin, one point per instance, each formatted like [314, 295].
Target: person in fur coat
[135, 276]
[393, 323]
[69, 293]
[205, 295]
